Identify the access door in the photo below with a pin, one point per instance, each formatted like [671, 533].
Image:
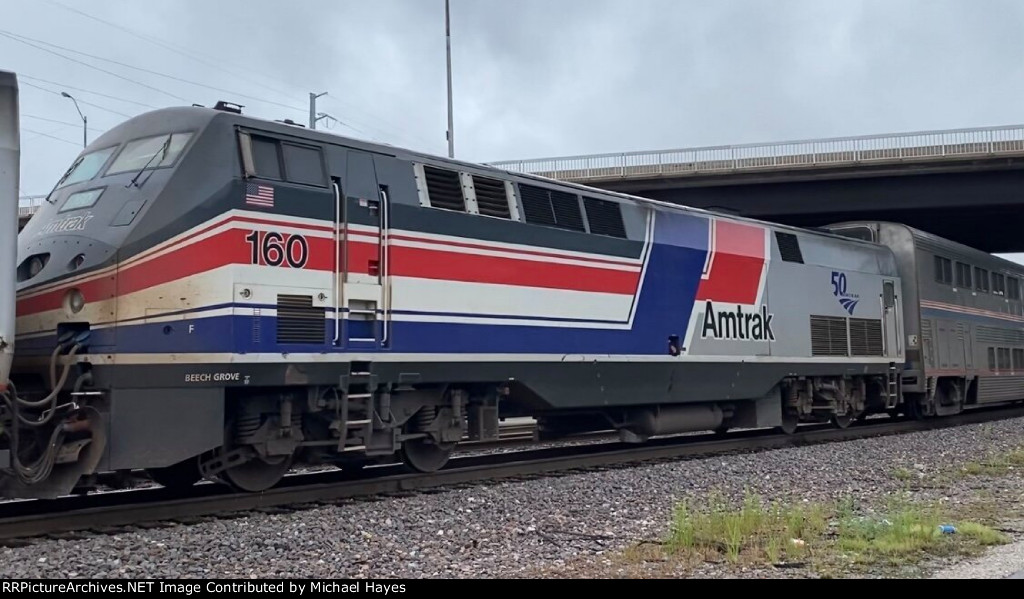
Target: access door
[363, 253]
[891, 320]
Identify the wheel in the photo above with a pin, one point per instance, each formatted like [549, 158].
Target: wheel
[258, 474]
[843, 420]
[426, 456]
[722, 429]
[790, 421]
[182, 475]
[950, 399]
[914, 410]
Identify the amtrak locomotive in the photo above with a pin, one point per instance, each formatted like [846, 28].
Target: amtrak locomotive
[209, 295]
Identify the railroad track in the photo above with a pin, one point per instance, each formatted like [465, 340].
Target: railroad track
[23, 521]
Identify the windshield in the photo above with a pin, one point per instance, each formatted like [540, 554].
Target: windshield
[85, 167]
[142, 153]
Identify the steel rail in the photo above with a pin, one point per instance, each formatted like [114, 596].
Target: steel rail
[105, 512]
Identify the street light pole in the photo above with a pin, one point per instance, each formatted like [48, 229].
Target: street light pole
[85, 121]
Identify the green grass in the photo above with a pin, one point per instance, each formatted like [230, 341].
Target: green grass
[998, 465]
[757, 532]
[754, 530]
[982, 534]
[900, 533]
[841, 537]
[902, 473]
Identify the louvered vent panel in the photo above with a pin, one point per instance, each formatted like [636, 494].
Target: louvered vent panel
[567, 211]
[998, 335]
[491, 198]
[604, 217]
[257, 314]
[926, 329]
[866, 337]
[298, 321]
[536, 205]
[789, 247]
[444, 189]
[828, 336]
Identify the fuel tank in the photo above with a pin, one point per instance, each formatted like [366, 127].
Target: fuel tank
[10, 161]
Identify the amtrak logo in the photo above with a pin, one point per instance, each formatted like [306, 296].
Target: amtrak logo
[848, 301]
[66, 225]
[737, 325]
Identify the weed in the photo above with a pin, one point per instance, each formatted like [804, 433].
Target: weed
[821, 533]
[982, 534]
[997, 465]
[902, 473]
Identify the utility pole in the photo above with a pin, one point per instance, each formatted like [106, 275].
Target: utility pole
[312, 109]
[451, 121]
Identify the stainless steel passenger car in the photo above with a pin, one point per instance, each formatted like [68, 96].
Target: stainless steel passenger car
[963, 319]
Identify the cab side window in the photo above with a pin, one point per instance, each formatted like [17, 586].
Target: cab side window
[265, 158]
[271, 158]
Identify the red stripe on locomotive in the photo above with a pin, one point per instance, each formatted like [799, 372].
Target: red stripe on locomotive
[233, 247]
[737, 262]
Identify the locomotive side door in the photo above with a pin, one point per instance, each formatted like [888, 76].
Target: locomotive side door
[363, 256]
[890, 320]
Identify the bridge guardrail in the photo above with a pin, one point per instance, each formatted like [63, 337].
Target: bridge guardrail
[27, 206]
[768, 156]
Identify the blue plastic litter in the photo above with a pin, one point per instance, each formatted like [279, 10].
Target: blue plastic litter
[947, 529]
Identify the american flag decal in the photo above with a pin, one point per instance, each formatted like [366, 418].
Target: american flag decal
[259, 195]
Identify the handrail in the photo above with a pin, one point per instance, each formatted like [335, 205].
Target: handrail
[779, 155]
[385, 250]
[336, 249]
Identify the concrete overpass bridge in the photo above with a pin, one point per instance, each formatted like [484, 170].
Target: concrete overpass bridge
[964, 184]
[27, 206]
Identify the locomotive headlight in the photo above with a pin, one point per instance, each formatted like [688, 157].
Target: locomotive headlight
[34, 266]
[74, 301]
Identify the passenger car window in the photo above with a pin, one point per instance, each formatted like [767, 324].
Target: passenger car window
[981, 279]
[998, 284]
[963, 275]
[149, 152]
[1004, 358]
[943, 270]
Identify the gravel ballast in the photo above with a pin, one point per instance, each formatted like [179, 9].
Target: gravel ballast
[555, 526]
[1001, 562]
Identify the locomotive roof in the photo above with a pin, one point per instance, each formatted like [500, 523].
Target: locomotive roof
[179, 118]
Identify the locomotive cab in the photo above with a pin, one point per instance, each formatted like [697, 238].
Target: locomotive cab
[71, 300]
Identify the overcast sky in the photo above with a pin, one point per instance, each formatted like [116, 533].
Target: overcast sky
[532, 78]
